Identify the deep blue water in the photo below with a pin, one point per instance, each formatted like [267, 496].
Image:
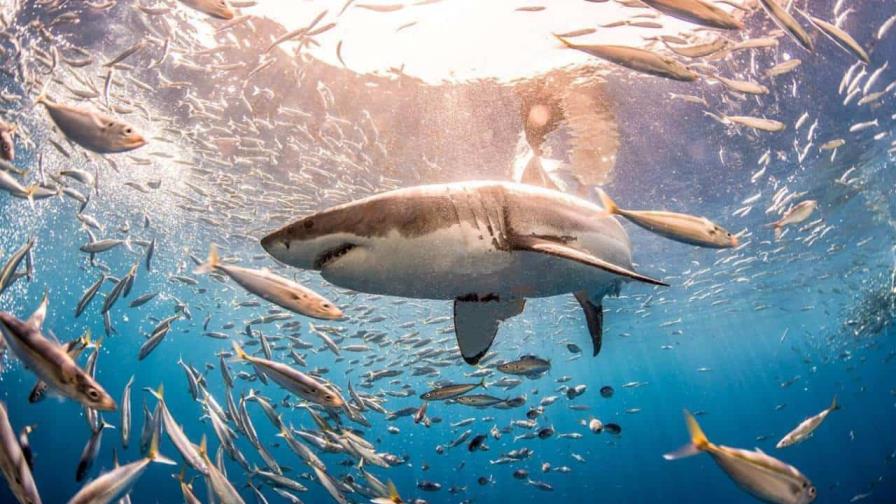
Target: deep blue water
[755, 339]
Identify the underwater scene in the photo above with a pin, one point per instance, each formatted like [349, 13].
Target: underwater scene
[447, 251]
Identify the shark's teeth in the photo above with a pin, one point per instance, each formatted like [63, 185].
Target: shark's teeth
[332, 254]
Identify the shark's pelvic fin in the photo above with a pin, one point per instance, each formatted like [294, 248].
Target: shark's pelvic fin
[476, 321]
[544, 246]
[594, 315]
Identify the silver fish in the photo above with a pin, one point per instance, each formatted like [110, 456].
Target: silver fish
[684, 228]
[764, 477]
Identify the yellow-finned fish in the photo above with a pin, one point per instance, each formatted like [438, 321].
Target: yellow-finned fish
[698, 12]
[764, 477]
[50, 361]
[640, 60]
[295, 381]
[91, 129]
[119, 481]
[804, 430]
[797, 213]
[14, 464]
[786, 22]
[273, 288]
[683, 228]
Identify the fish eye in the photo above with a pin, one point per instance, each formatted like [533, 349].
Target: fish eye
[93, 394]
[128, 130]
[326, 306]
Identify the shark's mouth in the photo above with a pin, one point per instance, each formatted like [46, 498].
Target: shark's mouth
[331, 255]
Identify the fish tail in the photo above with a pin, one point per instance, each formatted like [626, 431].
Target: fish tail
[607, 202]
[699, 441]
[211, 263]
[29, 193]
[203, 448]
[721, 120]
[565, 43]
[482, 383]
[239, 351]
[153, 452]
[86, 338]
[158, 393]
[834, 404]
[393, 492]
[41, 97]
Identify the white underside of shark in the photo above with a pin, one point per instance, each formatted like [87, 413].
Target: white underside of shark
[486, 245]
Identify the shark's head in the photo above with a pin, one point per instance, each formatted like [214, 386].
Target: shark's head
[320, 240]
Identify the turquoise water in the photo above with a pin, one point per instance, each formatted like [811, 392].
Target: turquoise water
[755, 338]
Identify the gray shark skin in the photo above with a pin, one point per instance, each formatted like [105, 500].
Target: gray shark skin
[486, 245]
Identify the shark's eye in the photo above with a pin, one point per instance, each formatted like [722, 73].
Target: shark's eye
[128, 130]
[93, 394]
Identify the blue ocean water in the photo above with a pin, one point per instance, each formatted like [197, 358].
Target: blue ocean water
[753, 339]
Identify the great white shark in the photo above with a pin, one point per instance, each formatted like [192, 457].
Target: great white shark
[488, 246]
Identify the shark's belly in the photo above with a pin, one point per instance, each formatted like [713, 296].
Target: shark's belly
[461, 260]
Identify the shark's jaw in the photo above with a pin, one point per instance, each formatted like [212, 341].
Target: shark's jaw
[328, 257]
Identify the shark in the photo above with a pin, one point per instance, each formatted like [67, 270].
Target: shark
[485, 245]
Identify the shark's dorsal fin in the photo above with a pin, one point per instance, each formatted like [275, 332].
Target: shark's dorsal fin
[476, 321]
[594, 316]
[536, 244]
[37, 318]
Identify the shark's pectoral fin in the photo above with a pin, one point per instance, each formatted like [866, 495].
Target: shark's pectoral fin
[536, 244]
[476, 321]
[594, 316]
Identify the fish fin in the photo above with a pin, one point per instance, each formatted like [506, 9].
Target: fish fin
[834, 405]
[476, 323]
[564, 43]
[607, 202]
[541, 245]
[158, 393]
[721, 120]
[698, 443]
[239, 351]
[393, 492]
[153, 452]
[36, 319]
[211, 263]
[594, 316]
[203, 448]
